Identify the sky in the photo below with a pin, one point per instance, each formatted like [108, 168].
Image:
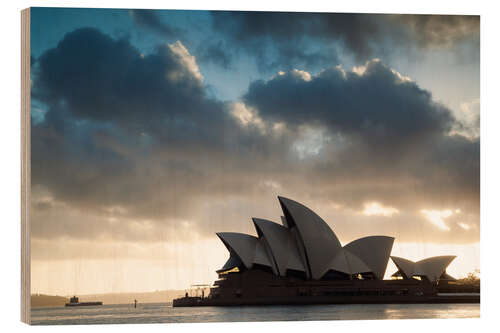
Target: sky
[153, 130]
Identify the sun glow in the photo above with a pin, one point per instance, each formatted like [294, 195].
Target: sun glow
[464, 226]
[467, 259]
[375, 208]
[437, 217]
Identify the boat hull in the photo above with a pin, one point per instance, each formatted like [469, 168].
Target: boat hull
[84, 304]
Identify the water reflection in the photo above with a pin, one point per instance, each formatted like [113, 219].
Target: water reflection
[165, 313]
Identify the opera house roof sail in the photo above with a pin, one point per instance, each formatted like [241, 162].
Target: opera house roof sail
[305, 244]
[432, 268]
[302, 261]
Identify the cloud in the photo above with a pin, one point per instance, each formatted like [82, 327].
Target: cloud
[132, 148]
[274, 38]
[281, 39]
[134, 131]
[246, 116]
[384, 138]
[468, 119]
[374, 208]
[92, 77]
[186, 60]
[310, 141]
[108, 107]
[149, 19]
[464, 226]
[441, 31]
[373, 105]
[437, 217]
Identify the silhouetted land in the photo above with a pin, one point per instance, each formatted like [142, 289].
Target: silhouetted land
[40, 300]
[161, 296]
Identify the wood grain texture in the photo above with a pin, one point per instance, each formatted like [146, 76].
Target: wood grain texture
[25, 166]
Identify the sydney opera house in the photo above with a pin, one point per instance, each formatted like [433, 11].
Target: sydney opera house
[302, 261]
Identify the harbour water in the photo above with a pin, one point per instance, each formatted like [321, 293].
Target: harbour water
[165, 313]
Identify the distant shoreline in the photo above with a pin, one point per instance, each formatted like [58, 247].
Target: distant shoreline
[109, 304]
[45, 301]
[161, 296]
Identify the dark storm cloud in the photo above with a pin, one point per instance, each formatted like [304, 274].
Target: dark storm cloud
[131, 133]
[280, 38]
[274, 38]
[149, 19]
[92, 77]
[394, 136]
[378, 106]
[132, 147]
[441, 30]
[107, 102]
[94, 63]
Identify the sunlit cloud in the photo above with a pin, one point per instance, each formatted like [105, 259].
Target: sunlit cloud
[375, 208]
[298, 73]
[311, 142]
[464, 226]
[437, 217]
[247, 116]
[271, 184]
[401, 78]
[186, 59]
[302, 74]
[467, 119]
[360, 70]
[336, 206]
[116, 210]
[279, 128]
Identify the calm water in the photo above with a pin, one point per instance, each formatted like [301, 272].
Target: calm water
[165, 313]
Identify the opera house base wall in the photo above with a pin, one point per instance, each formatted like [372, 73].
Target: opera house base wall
[311, 300]
[255, 287]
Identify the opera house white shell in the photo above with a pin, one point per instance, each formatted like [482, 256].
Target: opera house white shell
[432, 268]
[306, 244]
